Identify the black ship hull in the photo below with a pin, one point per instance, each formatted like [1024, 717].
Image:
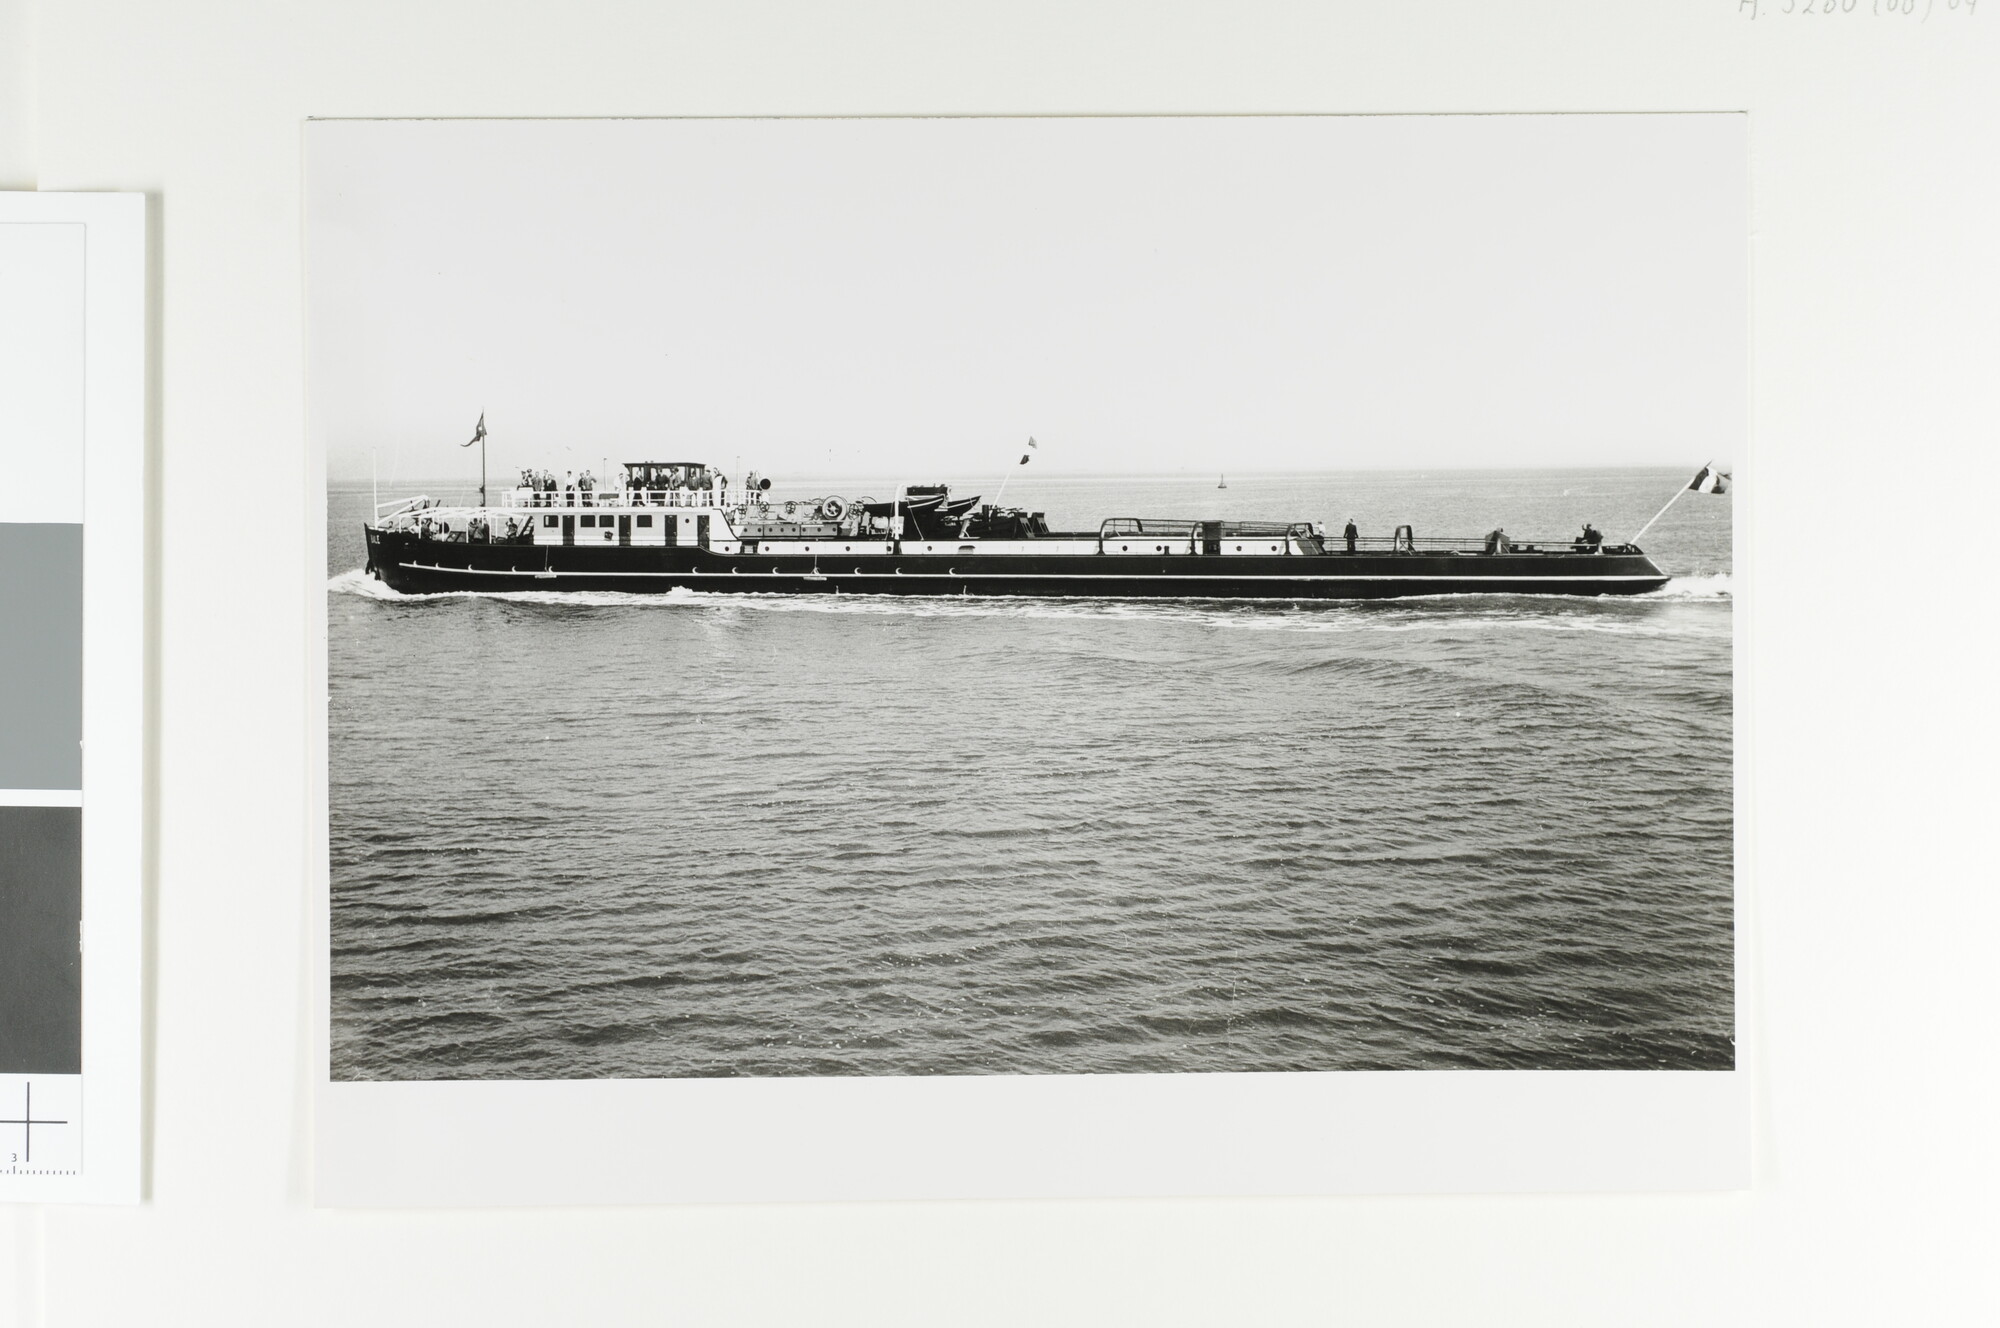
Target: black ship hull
[415, 565]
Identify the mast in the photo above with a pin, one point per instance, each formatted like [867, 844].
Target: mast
[1005, 475]
[479, 436]
[1670, 502]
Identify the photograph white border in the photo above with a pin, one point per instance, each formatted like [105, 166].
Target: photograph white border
[637, 1141]
[697, 1140]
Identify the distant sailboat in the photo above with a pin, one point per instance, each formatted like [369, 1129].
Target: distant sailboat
[1223, 482]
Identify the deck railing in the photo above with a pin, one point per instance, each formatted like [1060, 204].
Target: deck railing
[1337, 543]
[581, 498]
[1183, 535]
[571, 499]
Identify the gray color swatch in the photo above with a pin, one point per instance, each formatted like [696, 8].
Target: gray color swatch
[41, 920]
[41, 655]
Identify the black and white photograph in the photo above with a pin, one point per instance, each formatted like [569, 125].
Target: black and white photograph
[1092, 596]
[995, 664]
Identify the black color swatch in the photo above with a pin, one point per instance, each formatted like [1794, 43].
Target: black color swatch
[41, 922]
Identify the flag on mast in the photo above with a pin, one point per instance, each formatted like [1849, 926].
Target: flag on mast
[1710, 480]
[478, 432]
[1008, 474]
[1706, 480]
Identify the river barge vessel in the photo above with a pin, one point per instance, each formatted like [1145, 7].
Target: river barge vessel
[679, 525]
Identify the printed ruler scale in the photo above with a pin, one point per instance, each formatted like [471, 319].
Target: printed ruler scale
[54, 1151]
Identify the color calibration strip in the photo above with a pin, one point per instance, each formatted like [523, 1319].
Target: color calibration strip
[42, 354]
[72, 695]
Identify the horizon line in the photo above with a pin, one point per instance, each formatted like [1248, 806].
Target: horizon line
[497, 482]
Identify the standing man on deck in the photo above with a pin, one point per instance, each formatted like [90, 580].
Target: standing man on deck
[1352, 534]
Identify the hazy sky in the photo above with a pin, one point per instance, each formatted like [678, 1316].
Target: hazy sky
[919, 296]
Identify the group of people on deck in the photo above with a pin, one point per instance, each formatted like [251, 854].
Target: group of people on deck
[545, 482]
[1590, 541]
[673, 481]
[546, 486]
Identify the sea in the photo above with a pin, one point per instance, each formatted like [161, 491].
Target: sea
[611, 835]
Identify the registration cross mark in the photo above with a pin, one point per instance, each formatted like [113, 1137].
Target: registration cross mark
[28, 1121]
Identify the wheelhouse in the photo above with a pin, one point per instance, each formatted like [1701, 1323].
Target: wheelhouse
[668, 476]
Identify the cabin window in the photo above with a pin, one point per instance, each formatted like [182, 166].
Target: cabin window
[645, 520]
[549, 521]
[589, 520]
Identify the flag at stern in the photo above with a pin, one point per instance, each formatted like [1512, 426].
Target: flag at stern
[1710, 480]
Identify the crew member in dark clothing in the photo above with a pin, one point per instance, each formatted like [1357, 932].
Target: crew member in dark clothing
[1591, 538]
[1497, 541]
[1351, 533]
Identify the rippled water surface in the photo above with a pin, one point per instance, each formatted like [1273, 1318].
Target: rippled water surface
[743, 835]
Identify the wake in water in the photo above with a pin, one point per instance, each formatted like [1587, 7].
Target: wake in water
[1719, 586]
[359, 583]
